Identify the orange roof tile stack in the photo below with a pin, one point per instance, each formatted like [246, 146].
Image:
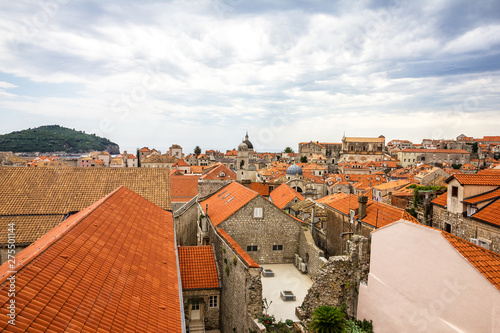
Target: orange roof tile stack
[283, 194]
[227, 201]
[198, 268]
[111, 267]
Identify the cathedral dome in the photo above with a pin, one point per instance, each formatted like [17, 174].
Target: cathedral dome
[248, 143]
[294, 170]
[243, 146]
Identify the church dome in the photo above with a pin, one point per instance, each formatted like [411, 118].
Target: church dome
[242, 146]
[247, 142]
[294, 170]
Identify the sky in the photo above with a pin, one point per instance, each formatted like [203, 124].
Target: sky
[203, 72]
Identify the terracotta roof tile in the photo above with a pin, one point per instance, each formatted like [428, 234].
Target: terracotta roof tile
[485, 261]
[219, 172]
[227, 201]
[249, 261]
[332, 197]
[198, 268]
[343, 205]
[489, 213]
[283, 194]
[28, 227]
[32, 191]
[262, 189]
[106, 268]
[183, 188]
[476, 179]
[441, 200]
[379, 214]
[490, 195]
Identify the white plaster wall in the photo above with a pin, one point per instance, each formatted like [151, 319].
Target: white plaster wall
[418, 282]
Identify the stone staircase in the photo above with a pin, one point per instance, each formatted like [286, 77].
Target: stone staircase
[196, 326]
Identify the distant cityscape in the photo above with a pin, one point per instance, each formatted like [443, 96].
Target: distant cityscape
[247, 241]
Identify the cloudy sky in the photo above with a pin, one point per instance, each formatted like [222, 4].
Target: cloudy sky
[202, 72]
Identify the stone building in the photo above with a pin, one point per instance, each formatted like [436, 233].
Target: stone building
[200, 287]
[357, 215]
[409, 157]
[469, 209]
[314, 150]
[363, 149]
[266, 233]
[426, 280]
[175, 151]
[284, 197]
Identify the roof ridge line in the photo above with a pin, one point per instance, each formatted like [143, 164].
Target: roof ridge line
[54, 235]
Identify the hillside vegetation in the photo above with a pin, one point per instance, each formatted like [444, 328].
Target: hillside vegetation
[55, 138]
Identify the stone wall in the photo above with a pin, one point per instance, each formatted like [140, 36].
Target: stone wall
[210, 315]
[185, 223]
[312, 255]
[274, 228]
[337, 283]
[465, 227]
[241, 294]
[208, 187]
[334, 230]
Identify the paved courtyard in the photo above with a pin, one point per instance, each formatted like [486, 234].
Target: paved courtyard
[286, 277]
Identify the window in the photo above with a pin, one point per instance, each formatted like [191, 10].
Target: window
[257, 212]
[212, 301]
[454, 191]
[251, 248]
[195, 305]
[277, 247]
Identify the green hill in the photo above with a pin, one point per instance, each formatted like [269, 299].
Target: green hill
[55, 138]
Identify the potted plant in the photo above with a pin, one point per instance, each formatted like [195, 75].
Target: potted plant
[289, 323]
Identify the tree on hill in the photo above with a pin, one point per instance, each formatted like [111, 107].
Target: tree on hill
[288, 150]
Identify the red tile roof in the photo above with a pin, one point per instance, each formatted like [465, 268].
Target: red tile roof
[198, 268]
[490, 195]
[181, 163]
[379, 214]
[489, 213]
[441, 200]
[248, 260]
[343, 205]
[485, 261]
[220, 172]
[332, 197]
[476, 179]
[106, 268]
[183, 188]
[262, 189]
[283, 194]
[227, 201]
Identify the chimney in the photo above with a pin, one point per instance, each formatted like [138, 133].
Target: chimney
[362, 200]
